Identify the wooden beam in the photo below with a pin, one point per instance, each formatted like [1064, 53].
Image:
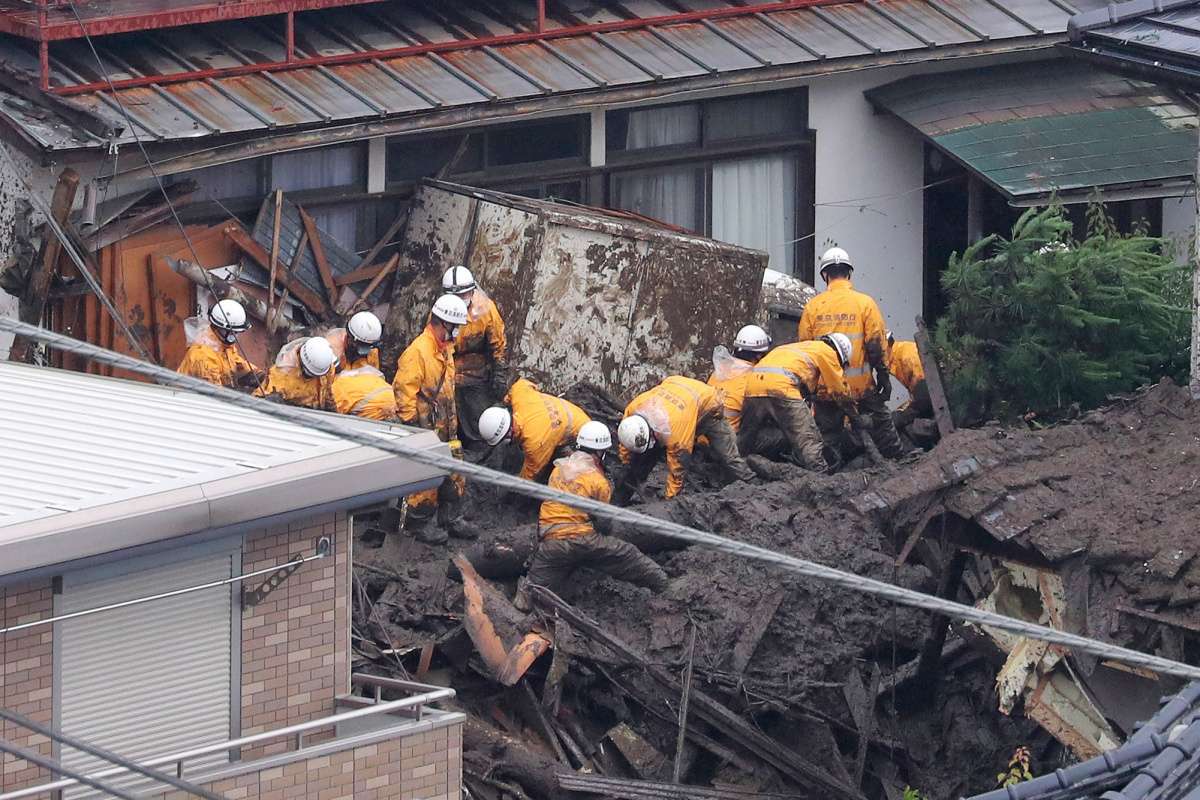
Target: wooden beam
[359, 275]
[374, 284]
[384, 240]
[237, 234]
[318, 250]
[933, 380]
[33, 300]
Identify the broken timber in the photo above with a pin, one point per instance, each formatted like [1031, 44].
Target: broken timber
[33, 300]
[933, 381]
[314, 302]
[738, 730]
[631, 788]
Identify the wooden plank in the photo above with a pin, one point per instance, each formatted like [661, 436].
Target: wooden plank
[784, 759]
[254, 250]
[318, 250]
[933, 381]
[33, 300]
[359, 275]
[752, 634]
[930, 663]
[684, 701]
[384, 240]
[273, 305]
[373, 285]
[560, 665]
[152, 312]
[1162, 619]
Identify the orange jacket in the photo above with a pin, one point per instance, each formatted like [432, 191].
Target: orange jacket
[674, 409]
[424, 385]
[480, 343]
[295, 388]
[841, 309]
[729, 379]
[363, 392]
[210, 359]
[339, 340]
[540, 424]
[904, 361]
[813, 365]
[579, 475]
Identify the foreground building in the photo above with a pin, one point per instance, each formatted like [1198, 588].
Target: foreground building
[114, 491]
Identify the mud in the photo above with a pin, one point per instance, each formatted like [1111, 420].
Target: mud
[1111, 498]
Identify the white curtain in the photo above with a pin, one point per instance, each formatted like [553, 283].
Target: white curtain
[670, 194]
[754, 205]
[324, 168]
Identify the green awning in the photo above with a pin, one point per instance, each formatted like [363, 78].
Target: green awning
[1050, 126]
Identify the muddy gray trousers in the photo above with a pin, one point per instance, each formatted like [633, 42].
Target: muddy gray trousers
[831, 421]
[794, 418]
[556, 559]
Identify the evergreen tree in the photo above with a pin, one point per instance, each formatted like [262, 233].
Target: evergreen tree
[1037, 322]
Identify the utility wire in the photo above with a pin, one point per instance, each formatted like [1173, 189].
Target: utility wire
[331, 425]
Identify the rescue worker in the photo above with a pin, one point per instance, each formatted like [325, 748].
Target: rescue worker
[213, 354]
[357, 344]
[730, 371]
[781, 385]
[480, 352]
[841, 309]
[360, 388]
[302, 374]
[904, 362]
[570, 539]
[668, 418]
[424, 388]
[541, 424]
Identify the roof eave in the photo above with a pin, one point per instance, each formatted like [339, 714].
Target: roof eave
[335, 477]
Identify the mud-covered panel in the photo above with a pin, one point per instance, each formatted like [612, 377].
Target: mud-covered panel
[579, 311]
[692, 297]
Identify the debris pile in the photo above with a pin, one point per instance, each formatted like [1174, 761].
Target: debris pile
[803, 689]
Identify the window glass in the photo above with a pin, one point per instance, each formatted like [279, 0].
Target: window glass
[541, 141]
[754, 205]
[671, 194]
[319, 168]
[648, 128]
[777, 114]
[410, 158]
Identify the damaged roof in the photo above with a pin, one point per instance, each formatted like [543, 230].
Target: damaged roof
[1158, 39]
[1160, 760]
[406, 57]
[1050, 126]
[146, 463]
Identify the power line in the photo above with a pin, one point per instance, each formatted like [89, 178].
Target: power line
[331, 425]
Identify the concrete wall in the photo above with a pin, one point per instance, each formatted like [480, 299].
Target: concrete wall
[870, 168]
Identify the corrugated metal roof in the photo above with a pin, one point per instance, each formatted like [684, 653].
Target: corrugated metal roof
[1032, 129]
[1159, 39]
[412, 84]
[71, 441]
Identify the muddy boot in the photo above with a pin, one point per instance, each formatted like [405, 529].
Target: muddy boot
[418, 525]
[450, 520]
[767, 469]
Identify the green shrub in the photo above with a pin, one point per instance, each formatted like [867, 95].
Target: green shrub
[1037, 323]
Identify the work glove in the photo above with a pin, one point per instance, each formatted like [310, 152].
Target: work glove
[883, 382]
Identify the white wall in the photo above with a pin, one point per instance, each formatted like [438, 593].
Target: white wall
[876, 163]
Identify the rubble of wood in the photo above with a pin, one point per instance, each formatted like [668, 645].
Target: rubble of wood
[801, 689]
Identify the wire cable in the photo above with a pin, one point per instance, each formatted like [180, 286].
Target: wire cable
[331, 425]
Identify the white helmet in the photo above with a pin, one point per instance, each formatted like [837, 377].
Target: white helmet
[494, 424]
[634, 433]
[841, 343]
[450, 308]
[316, 356]
[228, 314]
[594, 436]
[365, 328]
[832, 256]
[752, 338]
[458, 280]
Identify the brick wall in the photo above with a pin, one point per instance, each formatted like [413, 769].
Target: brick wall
[296, 642]
[25, 683]
[421, 766]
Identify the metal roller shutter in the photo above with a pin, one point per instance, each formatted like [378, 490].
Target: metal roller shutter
[150, 679]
